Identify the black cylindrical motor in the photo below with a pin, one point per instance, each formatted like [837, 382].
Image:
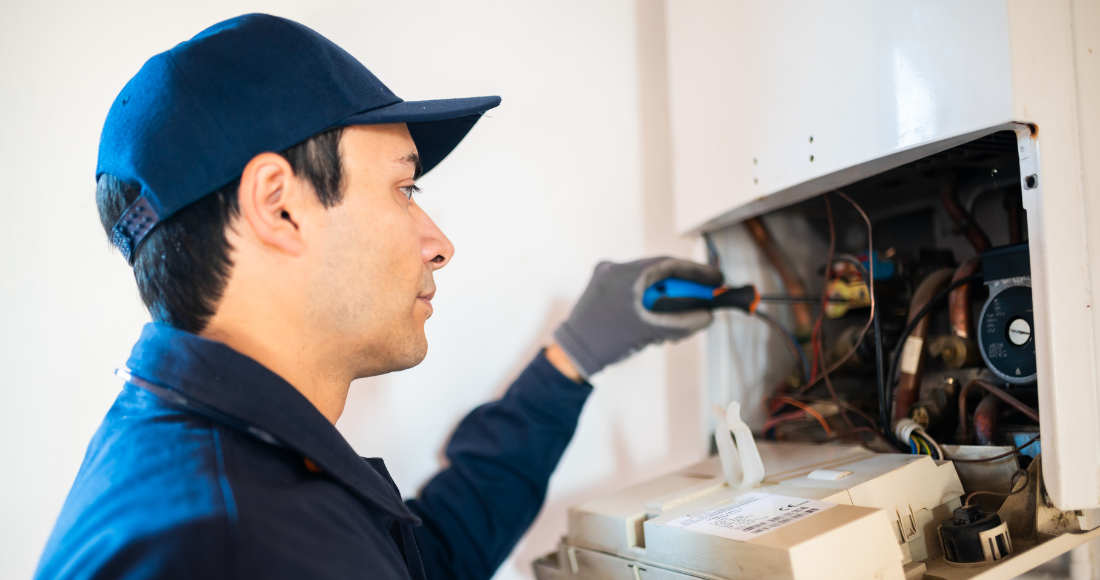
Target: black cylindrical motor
[971, 536]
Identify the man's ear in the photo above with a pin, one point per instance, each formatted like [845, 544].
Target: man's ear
[270, 200]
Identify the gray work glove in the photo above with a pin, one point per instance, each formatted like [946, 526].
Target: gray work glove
[609, 322]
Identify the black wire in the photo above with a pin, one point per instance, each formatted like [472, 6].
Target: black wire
[880, 368]
[880, 376]
[886, 388]
[1014, 450]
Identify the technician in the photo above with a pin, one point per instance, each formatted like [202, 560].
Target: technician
[260, 182]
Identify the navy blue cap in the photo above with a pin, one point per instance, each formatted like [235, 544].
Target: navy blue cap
[193, 117]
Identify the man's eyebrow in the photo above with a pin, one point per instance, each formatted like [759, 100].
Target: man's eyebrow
[414, 160]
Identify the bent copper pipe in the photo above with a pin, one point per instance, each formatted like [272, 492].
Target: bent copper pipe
[802, 316]
[996, 392]
[912, 364]
[972, 231]
[985, 420]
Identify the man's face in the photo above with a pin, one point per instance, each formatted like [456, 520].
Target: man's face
[379, 249]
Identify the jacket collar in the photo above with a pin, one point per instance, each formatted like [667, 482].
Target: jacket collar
[213, 380]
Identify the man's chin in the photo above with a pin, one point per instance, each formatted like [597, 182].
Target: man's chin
[397, 354]
[412, 359]
[408, 355]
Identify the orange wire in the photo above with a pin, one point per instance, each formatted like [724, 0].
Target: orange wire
[810, 410]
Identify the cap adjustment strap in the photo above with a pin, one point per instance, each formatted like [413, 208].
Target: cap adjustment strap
[130, 229]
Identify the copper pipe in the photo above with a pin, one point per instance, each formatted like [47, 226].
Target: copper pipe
[996, 392]
[803, 318]
[959, 349]
[958, 302]
[985, 420]
[972, 230]
[912, 364]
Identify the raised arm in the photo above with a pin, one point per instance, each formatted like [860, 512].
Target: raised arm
[503, 453]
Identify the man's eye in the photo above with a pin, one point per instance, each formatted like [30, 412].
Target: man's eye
[409, 190]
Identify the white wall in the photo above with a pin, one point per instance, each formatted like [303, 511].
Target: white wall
[563, 174]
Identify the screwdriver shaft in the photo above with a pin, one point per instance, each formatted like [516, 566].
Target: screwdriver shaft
[785, 299]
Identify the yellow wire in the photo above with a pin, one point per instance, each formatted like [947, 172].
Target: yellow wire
[922, 445]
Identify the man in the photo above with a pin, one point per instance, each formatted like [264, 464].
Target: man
[260, 182]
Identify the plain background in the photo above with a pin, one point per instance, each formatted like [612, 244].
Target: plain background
[572, 169]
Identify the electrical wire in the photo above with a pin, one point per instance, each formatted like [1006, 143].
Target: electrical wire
[781, 419]
[1012, 486]
[922, 446]
[818, 327]
[906, 429]
[932, 442]
[880, 383]
[815, 333]
[790, 340]
[816, 339]
[924, 443]
[887, 387]
[996, 457]
[812, 411]
[870, 420]
[872, 428]
[867, 275]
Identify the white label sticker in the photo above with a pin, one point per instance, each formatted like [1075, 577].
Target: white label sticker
[750, 515]
[910, 355]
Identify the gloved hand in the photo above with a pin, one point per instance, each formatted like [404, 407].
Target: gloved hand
[609, 323]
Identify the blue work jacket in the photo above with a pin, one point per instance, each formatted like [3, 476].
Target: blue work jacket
[211, 466]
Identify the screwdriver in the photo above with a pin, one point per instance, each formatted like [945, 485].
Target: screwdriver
[677, 295]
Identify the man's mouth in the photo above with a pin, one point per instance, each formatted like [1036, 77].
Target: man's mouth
[426, 300]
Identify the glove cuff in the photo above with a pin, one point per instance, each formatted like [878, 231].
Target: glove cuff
[577, 353]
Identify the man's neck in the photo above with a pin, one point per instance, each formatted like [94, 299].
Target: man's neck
[288, 354]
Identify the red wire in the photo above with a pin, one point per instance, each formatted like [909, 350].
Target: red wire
[816, 415]
[784, 418]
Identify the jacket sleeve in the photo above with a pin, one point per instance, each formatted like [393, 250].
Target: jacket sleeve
[501, 458]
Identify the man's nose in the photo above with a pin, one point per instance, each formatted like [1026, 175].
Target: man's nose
[434, 245]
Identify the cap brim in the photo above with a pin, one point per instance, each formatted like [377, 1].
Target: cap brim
[436, 127]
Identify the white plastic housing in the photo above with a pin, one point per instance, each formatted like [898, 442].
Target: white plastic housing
[775, 102]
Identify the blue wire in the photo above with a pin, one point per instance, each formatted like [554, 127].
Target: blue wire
[774, 322]
[912, 445]
[801, 354]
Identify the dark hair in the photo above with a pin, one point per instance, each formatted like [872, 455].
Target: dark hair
[183, 265]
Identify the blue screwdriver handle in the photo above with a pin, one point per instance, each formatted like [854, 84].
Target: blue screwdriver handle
[677, 295]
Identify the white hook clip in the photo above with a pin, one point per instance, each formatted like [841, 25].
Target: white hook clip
[741, 463]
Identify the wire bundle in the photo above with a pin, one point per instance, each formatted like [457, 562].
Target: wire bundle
[909, 430]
